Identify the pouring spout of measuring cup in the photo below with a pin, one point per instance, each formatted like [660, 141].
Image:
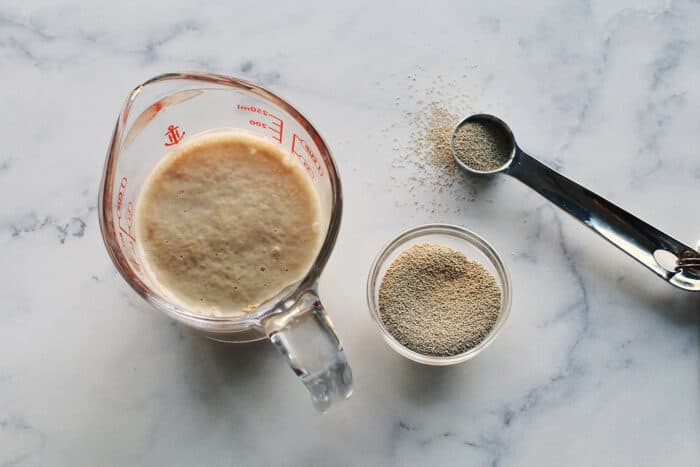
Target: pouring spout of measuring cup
[304, 335]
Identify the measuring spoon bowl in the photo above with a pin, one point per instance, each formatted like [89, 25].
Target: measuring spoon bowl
[495, 124]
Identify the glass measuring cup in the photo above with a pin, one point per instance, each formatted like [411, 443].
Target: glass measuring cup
[170, 108]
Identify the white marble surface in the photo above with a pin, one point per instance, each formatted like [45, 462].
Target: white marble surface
[599, 363]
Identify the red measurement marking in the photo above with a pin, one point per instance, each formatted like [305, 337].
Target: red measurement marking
[277, 126]
[254, 109]
[303, 151]
[120, 196]
[125, 221]
[174, 135]
[274, 124]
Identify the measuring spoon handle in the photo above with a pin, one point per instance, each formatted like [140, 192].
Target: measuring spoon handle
[627, 232]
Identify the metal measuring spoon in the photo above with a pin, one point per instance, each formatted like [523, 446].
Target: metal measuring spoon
[671, 260]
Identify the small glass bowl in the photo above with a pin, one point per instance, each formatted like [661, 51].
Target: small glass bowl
[474, 248]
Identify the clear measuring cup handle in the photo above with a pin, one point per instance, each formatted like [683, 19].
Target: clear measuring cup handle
[305, 336]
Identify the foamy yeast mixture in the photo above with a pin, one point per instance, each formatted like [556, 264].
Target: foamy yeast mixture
[226, 221]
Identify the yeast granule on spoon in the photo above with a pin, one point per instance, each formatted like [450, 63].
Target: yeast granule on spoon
[435, 301]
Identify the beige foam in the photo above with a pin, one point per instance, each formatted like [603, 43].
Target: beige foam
[226, 221]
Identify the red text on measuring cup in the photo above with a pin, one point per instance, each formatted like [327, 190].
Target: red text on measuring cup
[274, 124]
[303, 151]
[174, 135]
[299, 147]
[125, 221]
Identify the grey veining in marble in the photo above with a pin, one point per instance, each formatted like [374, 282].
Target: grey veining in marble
[599, 363]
